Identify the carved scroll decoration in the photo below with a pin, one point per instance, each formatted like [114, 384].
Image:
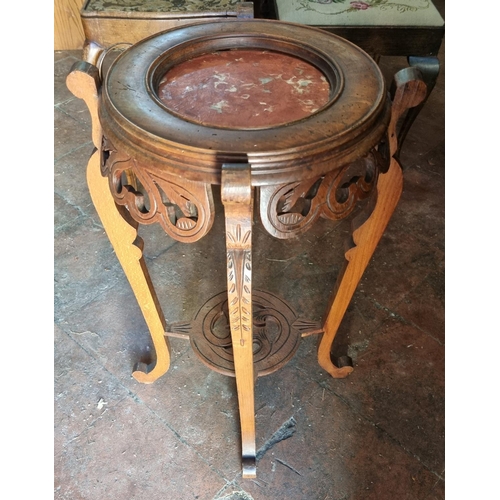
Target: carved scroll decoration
[291, 209]
[184, 209]
[277, 331]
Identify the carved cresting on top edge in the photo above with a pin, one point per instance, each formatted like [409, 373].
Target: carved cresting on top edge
[185, 209]
[291, 209]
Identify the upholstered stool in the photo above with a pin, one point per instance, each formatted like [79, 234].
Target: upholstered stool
[296, 115]
[413, 28]
[121, 22]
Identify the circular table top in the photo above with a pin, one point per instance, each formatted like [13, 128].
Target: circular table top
[290, 100]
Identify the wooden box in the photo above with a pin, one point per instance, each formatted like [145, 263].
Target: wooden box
[107, 22]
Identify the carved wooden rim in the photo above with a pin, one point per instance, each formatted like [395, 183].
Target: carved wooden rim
[353, 121]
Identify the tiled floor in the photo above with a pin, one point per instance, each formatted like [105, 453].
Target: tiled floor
[379, 434]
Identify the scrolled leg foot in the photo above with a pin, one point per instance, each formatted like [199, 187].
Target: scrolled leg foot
[344, 361]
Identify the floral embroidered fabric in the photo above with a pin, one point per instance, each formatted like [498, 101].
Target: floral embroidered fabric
[360, 13]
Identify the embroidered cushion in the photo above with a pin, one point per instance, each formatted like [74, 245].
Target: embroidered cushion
[359, 13]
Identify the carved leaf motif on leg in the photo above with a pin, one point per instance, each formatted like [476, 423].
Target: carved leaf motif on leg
[239, 291]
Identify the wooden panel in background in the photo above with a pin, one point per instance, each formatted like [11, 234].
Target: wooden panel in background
[68, 30]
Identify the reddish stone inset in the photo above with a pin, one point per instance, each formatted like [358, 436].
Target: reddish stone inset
[244, 89]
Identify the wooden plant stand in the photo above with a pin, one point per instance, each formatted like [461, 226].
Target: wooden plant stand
[298, 115]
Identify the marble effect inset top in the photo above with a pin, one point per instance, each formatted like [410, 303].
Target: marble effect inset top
[244, 89]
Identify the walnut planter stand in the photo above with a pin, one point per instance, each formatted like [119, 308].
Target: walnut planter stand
[291, 113]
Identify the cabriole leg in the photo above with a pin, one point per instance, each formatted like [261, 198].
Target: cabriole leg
[237, 197]
[121, 230]
[409, 91]
[83, 82]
